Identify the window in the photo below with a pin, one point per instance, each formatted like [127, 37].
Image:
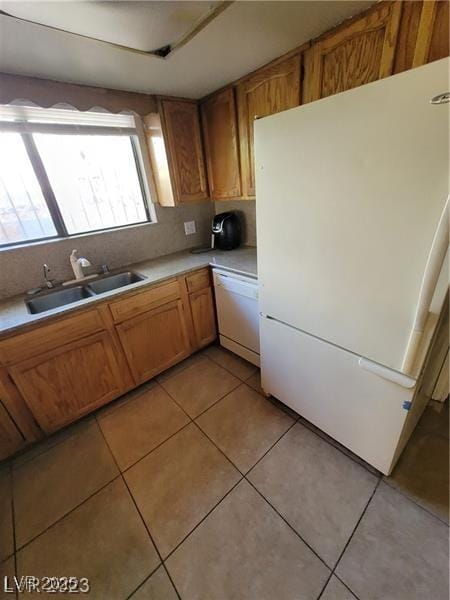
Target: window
[63, 174]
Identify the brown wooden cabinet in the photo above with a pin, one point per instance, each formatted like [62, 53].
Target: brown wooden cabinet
[354, 54]
[180, 123]
[155, 340]
[203, 316]
[56, 372]
[11, 439]
[269, 91]
[63, 384]
[220, 133]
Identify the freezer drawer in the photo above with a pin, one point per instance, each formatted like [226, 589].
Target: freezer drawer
[327, 386]
[238, 313]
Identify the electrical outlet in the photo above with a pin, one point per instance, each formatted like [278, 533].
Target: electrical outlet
[189, 228]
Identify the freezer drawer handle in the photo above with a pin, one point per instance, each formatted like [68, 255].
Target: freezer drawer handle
[385, 373]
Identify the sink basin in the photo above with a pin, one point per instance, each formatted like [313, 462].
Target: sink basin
[59, 298]
[79, 292]
[106, 284]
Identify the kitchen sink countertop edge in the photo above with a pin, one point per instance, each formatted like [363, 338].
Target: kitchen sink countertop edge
[14, 314]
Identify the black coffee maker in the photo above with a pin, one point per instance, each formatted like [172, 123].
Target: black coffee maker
[226, 231]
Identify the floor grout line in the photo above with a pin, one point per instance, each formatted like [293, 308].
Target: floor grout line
[100, 489]
[206, 409]
[345, 451]
[143, 581]
[413, 501]
[228, 459]
[269, 449]
[345, 585]
[65, 435]
[287, 522]
[226, 369]
[349, 540]
[204, 518]
[117, 403]
[244, 477]
[153, 449]
[150, 536]
[13, 517]
[142, 519]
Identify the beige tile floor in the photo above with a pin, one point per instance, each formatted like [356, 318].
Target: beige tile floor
[198, 487]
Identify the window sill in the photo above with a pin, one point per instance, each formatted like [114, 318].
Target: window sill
[76, 236]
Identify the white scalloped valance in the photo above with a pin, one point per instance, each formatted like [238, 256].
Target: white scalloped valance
[45, 93]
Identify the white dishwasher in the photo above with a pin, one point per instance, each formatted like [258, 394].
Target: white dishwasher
[238, 313]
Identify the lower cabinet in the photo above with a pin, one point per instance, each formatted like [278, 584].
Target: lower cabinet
[203, 316]
[69, 381]
[154, 340]
[11, 439]
[59, 371]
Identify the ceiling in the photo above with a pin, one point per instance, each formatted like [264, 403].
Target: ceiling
[145, 26]
[241, 38]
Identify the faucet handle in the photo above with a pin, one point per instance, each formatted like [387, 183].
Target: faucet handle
[48, 282]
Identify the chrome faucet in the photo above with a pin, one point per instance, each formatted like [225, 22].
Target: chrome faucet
[50, 283]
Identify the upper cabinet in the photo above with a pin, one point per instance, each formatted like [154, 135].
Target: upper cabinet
[176, 152]
[268, 91]
[357, 53]
[220, 133]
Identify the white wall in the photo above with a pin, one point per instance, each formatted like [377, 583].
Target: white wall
[247, 212]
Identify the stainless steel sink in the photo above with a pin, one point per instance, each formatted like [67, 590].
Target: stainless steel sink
[59, 298]
[79, 292]
[106, 284]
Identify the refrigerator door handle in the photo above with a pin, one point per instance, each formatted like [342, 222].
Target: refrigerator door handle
[386, 373]
[430, 277]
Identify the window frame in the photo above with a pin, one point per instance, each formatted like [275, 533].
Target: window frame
[26, 129]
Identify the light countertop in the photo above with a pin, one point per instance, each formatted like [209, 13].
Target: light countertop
[14, 314]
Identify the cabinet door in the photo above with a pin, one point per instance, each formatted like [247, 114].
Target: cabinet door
[221, 145]
[355, 54]
[203, 315]
[10, 437]
[155, 340]
[62, 385]
[267, 92]
[181, 127]
[433, 32]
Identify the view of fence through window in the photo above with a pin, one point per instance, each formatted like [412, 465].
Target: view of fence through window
[24, 214]
[94, 184]
[94, 179]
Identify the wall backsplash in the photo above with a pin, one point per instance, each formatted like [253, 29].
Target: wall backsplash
[247, 211]
[21, 268]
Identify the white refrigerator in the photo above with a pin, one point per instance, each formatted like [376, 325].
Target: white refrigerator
[352, 224]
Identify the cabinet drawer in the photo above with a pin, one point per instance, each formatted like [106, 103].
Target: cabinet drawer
[144, 301]
[47, 337]
[198, 281]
